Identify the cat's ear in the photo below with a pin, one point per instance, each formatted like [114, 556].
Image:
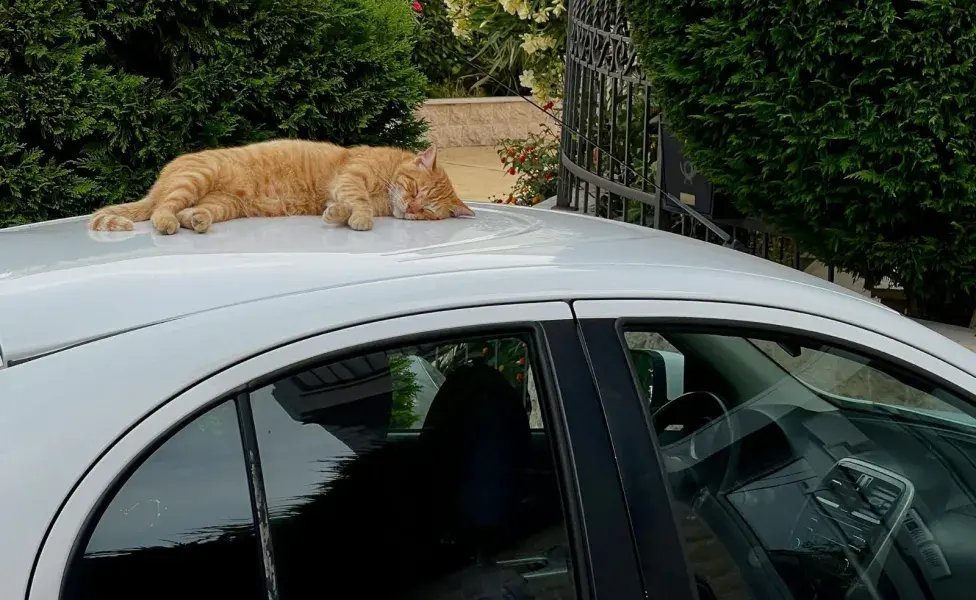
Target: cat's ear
[427, 159]
[461, 210]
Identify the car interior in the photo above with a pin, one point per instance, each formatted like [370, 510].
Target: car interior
[784, 490]
[465, 499]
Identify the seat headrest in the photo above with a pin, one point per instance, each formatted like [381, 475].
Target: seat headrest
[479, 431]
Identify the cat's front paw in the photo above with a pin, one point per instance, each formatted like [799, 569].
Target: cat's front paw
[165, 223]
[195, 218]
[361, 221]
[337, 214]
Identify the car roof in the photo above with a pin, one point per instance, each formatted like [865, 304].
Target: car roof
[62, 285]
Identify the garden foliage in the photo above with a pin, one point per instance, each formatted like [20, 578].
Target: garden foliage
[535, 161]
[442, 57]
[97, 96]
[527, 37]
[848, 124]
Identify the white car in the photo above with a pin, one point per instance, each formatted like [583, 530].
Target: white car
[526, 404]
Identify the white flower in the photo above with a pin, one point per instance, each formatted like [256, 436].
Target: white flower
[542, 16]
[533, 43]
[510, 6]
[461, 28]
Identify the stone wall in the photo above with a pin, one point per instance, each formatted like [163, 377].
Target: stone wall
[464, 122]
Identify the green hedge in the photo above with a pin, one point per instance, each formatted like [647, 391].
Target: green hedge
[95, 97]
[846, 123]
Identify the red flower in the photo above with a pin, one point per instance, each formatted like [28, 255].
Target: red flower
[548, 105]
[548, 176]
[512, 171]
[417, 8]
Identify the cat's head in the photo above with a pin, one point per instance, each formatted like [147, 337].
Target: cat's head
[423, 191]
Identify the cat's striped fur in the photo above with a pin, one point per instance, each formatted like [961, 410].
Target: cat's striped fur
[347, 186]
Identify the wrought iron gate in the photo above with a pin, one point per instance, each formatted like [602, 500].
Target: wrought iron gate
[607, 169]
[609, 150]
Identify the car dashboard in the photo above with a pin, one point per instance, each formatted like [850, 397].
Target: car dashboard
[835, 503]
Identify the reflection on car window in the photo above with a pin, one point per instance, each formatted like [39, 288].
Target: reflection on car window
[650, 352]
[804, 471]
[388, 474]
[840, 373]
[418, 373]
[180, 526]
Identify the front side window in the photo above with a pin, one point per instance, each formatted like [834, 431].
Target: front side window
[180, 526]
[807, 471]
[418, 471]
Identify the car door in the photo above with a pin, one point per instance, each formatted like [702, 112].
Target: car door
[804, 457]
[421, 456]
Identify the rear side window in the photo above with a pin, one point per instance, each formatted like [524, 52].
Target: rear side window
[418, 472]
[180, 526]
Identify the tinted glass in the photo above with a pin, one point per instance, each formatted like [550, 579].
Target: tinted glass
[180, 526]
[803, 470]
[389, 473]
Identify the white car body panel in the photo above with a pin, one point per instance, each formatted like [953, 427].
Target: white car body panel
[134, 279]
[99, 331]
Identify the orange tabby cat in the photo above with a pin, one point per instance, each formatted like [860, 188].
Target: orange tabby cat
[347, 186]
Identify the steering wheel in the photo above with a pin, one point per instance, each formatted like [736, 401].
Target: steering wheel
[687, 416]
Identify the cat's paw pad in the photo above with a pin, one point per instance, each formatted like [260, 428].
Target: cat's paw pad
[195, 218]
[337, 214]
[361, 222]
[165, 223]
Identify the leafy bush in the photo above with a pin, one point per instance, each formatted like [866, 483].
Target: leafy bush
[98, 96]
[535, 160]
[437, 54]
[522, 42]
[846, 123]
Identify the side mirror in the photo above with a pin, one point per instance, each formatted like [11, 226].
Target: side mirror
[660, 374]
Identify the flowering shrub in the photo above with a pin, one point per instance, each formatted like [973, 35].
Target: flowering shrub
[437, 54]
[535, 160]
[529, 34]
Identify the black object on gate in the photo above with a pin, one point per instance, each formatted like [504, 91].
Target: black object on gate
[681, 179]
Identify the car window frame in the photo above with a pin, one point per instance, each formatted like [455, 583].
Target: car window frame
[844, 335]
[602, 322]
[71, 526]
